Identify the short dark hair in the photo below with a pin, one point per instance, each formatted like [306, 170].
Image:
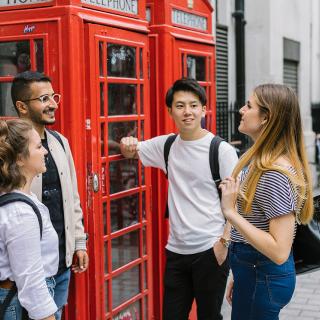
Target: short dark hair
[20, 89]
[188, 85]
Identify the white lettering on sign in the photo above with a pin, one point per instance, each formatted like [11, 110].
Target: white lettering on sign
[7, 3]
[127, 6]
[189, 20]
[28, 29]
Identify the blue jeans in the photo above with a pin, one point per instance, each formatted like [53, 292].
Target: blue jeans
[61, 291]
[14, 310]
[261, 287]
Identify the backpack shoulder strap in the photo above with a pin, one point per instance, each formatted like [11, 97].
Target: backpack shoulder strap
[214, 160]
[15, 197]
[166, 150]
[57, 136]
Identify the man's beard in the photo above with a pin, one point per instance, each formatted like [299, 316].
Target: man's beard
[36, 117]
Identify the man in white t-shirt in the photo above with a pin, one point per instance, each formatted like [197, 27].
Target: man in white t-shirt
[196, 266]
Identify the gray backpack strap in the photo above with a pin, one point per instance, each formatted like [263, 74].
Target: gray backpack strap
[214, 161]
[166, 150]
[16, 197]
[57, 136]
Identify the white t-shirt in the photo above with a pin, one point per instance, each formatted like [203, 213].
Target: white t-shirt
[196, 221]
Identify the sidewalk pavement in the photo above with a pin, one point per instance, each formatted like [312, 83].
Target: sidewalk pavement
[305, 304]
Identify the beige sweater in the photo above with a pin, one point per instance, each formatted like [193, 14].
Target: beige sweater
[75, 235]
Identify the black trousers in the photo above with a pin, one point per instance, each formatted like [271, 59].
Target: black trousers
[194, 276]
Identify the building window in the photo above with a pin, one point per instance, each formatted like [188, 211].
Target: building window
[290, 74]
[291, 59]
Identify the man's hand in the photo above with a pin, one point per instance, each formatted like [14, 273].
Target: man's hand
[50, 318]
[221, 252]
[82, 261]
[129, 147]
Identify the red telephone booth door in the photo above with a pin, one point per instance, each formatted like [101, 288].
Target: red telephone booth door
[119, 189]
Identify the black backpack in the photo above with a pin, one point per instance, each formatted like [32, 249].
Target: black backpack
[213, 160]
[6, 199]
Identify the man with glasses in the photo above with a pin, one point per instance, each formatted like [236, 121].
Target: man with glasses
[34, 100]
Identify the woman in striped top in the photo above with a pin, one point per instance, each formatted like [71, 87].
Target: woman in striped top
[272, 193]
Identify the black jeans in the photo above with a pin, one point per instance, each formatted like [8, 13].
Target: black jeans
[194, 276]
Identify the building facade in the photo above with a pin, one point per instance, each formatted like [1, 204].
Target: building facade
[281, 45]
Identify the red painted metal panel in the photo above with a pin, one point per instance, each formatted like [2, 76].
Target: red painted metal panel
[56, 56]
[71, 35]
[11, 5]
[134, 9]
[71, 59]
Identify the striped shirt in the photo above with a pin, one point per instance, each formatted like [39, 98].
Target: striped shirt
[274, 197]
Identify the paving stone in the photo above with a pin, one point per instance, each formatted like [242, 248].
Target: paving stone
[290, 312]
[302, 300]
[296, 318]
[314, 314]
[315, 301]
[306, 306]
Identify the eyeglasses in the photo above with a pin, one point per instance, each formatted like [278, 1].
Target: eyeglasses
[46, 97]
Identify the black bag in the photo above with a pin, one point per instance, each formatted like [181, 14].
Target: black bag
[6, 199]
[306, 245]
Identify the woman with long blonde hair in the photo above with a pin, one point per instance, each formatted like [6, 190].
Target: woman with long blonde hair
[270, 191]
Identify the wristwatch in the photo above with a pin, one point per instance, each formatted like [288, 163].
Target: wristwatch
[225, 242]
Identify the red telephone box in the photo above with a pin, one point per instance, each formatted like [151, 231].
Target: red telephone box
[104, 61]
[96, 52]
[181, 45]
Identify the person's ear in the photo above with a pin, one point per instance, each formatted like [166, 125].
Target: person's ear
[20, 161]
[169, 111]
[21, 107]
[204, 110]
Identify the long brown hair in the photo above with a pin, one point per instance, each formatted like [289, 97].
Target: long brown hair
[14, 142]
[282, 135]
